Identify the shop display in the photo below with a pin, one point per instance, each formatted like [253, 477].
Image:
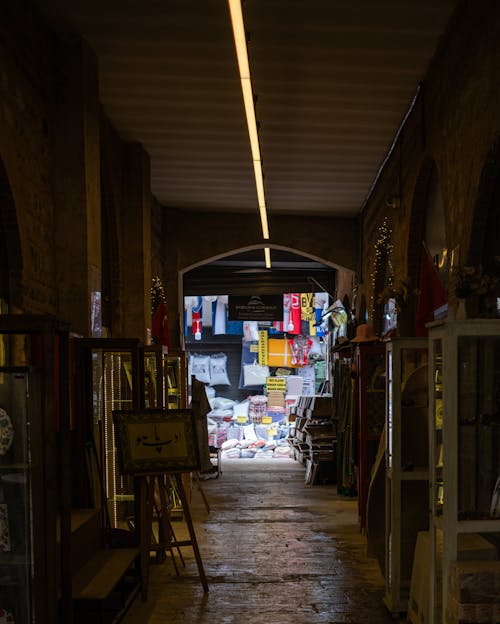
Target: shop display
[176, 372]
[464, 450]
[254, 387]
[279, 352]
[32, 414]
[404, 481]
[255, 375]
[218, 370]
[112, 378]
[313, 439]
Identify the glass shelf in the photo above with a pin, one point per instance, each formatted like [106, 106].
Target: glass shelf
[113, 367]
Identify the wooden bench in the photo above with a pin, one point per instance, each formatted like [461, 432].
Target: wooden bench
[99, 576]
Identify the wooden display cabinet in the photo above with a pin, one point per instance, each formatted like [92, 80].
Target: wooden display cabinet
[464, 444]
[34, 472]
[406, 463]
[154, 391]
[342, 397]
[176, 380]
[111, 381]
[370, 409]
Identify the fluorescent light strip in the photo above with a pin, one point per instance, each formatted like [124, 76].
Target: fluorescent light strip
[246, 88]
[267, 257]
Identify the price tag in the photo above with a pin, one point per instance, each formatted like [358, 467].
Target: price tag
[276, 383]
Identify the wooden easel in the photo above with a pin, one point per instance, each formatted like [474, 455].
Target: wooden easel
[145, 503]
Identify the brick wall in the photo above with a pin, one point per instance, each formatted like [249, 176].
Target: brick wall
[452, 133]
[453, 129]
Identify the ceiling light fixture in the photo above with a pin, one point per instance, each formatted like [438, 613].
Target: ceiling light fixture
[267, 257]
[246, 88]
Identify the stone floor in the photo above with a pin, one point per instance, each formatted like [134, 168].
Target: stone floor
[274, 550]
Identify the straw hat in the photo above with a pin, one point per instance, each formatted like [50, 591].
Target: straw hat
[365, 333]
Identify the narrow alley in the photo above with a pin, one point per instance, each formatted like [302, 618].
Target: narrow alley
[274, 550]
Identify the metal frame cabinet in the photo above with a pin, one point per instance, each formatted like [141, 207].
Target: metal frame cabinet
[112, 369]
[154, 360]
[176, 380]
[464, 442]
[406, 463]
[34, 470]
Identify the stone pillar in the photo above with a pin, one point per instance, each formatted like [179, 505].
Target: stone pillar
[77, 186]
[175, 307]
[135, 245]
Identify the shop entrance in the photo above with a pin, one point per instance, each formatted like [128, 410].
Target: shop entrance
[257, 369]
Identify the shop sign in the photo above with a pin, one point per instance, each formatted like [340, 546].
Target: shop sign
[255, 308]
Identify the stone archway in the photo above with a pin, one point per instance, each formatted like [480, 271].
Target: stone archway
[10, 249]
[426, 225]
[483, 247]
[343, 276]
[486, 222]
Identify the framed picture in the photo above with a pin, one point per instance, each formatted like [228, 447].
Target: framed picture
[156, 441]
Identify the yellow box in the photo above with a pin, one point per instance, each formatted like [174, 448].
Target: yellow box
[279, 353]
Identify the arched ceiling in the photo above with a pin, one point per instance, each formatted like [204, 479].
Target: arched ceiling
[333, 80]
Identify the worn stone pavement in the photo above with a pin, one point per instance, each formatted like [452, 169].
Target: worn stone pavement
[274, 550]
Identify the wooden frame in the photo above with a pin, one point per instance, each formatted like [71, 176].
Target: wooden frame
[156, 441]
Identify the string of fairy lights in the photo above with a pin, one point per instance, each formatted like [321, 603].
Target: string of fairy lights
[157, 293]
[383, 251]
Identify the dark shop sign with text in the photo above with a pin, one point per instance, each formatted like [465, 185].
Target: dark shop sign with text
[256, 308]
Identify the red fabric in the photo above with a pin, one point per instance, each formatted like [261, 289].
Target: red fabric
[294, 321]
[159, 328]
[431, 293]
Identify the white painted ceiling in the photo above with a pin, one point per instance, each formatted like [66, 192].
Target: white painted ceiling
[333, 80]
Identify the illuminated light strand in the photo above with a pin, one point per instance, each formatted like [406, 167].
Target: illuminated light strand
[383, 247]
[247, 92]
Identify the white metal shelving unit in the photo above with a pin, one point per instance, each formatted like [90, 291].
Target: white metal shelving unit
[407, 468]
[464, 436]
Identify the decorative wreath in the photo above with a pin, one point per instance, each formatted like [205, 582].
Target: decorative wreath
[6, 432]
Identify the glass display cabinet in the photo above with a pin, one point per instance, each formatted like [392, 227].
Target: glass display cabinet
[342, 393]
[370, 388]
[112, 370]
[34, 512]
[406, 463]
[154, 360]
[464, 450]
[176, 380]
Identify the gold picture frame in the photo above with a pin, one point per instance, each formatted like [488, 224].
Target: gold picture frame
[154, 441]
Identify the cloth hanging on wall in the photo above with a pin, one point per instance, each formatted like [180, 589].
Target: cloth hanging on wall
[196, 313]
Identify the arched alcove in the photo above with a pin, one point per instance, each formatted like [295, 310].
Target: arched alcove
[10, 248]
[484, 250]
[427, 225]
[208, 290]
[485, 233]
[243, 271]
